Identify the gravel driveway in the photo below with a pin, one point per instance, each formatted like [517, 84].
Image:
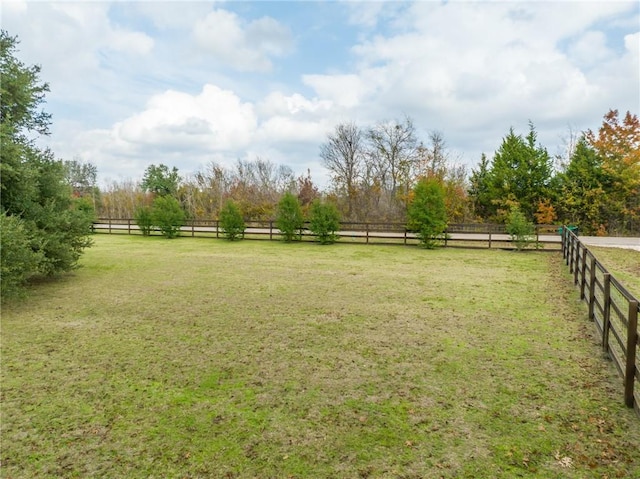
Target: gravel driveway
[612, 241]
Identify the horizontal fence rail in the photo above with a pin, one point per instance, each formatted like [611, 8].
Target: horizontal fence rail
[456, 236]
[613, 309]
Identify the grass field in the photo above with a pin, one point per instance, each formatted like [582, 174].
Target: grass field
[624, 264]
[204, 358]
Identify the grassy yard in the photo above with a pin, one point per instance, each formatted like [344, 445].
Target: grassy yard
[204, 358]
[624, 264]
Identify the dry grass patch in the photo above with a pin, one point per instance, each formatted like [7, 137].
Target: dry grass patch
[203, 358]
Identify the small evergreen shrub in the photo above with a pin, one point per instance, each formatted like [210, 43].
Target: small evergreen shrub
[324, 221]
[167, 215]
[18, 260]
[427, 214]
[521, 230]
[144, 220]
[289, 218]
[231, 221]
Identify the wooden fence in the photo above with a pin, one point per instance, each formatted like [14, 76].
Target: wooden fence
[457, 235]
[613, 309]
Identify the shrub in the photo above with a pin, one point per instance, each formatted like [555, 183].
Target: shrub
[324, 221]
[231, 221]
[427, 214]
[18, 261]
[289, 219]
[144, 220]
[167, 215]
[519, 228]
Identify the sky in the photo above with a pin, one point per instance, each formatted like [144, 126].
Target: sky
[190, 83]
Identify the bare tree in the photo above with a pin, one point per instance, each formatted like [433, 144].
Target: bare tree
[343, 156]
[394, 150]
[434, 157]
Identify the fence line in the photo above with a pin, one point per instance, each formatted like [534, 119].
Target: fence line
[457, 235]
[613, 309]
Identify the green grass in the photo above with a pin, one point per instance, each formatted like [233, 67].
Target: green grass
[206, 358]
[624, 264]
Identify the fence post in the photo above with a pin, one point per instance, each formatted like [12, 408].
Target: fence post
[632, 341]
[606, 321]
[583, 282]
[270, 230]
[592, 287]
[405, 236]
[217, 229]
[367, 231]
[129, 226]
[109, 225]
[489, 239]
[576, 266]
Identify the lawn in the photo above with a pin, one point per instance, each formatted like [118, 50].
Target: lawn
[624, 264]
[205, 358]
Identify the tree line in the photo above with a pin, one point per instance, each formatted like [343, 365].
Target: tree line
[374, 171]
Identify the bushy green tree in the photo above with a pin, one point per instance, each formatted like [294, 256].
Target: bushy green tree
[289, 218]
[231, 221]
[520, 229]
[144, 220]
[18, 260]
[324, 220]
[35, 198]
[521, 172]
[582, 198]
[167, 215]
[161, 180]
[427, 213]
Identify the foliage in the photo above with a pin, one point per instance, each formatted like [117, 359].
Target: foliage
[522, 231]
[343, 155]
[582, 198]
[17, 259]
[520, 172]
[546, 213]
[82, 177]
[231, 221]
[167, 215]
[289, 219]
[34, 191]
[324, 221]
[144, 219]
[618, 147]
[479, 189]
[427, 213]
[161, 180]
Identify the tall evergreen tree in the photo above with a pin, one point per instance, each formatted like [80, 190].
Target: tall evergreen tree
[520, 173]
[48, 229]
[582, 196]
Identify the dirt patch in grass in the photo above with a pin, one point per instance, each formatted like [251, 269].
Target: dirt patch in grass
[203, 358]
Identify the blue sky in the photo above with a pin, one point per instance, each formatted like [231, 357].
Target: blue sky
[187, 83]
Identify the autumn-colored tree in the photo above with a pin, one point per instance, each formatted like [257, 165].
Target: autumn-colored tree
[617, 143]
[546, 213]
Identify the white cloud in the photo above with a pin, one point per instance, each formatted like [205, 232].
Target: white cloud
[149, 82]
[277, 103]
[131, 42]
[215, 120]
[344, 90]
[245, 46]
